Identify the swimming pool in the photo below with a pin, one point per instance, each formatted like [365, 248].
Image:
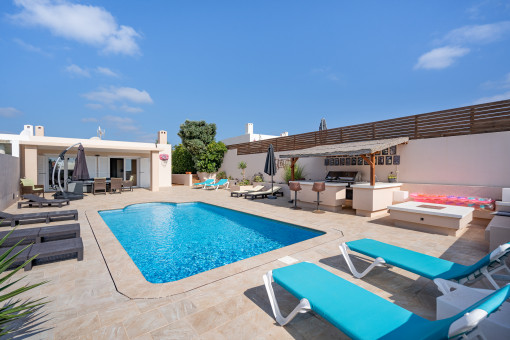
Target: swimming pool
[172, 241]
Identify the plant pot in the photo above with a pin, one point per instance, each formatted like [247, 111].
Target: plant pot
[392, 180]
[188, 172]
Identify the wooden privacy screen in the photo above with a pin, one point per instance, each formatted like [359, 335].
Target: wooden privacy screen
[483, 118]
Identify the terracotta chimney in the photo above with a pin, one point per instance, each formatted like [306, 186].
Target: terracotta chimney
[39, 131]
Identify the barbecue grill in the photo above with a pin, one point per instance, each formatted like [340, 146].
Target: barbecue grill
[349, 177]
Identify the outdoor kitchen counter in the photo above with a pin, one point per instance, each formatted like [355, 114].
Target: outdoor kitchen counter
[333, 196]
[372, 200]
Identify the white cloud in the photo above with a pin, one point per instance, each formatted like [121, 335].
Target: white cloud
[87, 24]
[106, 71]
[478, 34]
[89, 120]
[122, 123]
[494, 98]
[116, 94]
[76, 70]
[325, 72]
[30, 48]
[131, 109]
[94, 106]
[441, 57]
[8, 112]
[498, 84]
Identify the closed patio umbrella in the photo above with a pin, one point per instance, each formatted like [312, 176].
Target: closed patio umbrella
[270, 167]
[80, 166]
[322, 125]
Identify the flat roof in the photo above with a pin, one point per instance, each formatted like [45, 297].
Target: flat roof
[96, 144]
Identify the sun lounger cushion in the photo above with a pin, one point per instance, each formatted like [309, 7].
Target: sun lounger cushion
[55, 248]
[27, 236]
[59, 231]
[361, 314]
[418, 263]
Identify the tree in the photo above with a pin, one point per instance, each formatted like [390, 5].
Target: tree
[210, 160]
[242, 165]
[196, 136]
[182, 160]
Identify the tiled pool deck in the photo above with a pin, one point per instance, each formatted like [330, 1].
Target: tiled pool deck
[106, 297]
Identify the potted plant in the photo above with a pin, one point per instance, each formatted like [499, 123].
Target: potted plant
[392, 178]
[242, 166]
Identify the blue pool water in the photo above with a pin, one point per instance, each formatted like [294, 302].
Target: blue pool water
[169, 241]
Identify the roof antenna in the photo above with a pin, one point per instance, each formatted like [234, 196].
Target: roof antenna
[100, 133]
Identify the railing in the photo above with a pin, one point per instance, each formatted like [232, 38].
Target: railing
[482, 118]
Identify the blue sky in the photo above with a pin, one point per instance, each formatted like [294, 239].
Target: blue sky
[135, 67]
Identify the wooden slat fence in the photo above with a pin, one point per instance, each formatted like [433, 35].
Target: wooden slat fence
[482, 118]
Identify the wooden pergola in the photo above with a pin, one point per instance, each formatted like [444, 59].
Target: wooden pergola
[365, 149]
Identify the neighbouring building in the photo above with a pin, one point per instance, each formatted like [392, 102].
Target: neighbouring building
[249, 136]
[38, 153]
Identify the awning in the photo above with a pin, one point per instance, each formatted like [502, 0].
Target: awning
[346, 149]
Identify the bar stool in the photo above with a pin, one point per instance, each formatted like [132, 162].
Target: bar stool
[295, 186]
[318, 187]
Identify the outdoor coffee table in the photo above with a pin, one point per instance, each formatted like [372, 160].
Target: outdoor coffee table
[431, 217]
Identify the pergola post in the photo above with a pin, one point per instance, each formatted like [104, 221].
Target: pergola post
[372, 169]
[371, 162]
[292, 163]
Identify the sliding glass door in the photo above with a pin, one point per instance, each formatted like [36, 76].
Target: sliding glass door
[131, 170]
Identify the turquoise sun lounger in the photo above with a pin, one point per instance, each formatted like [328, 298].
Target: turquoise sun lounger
[221, 183]
[426, 265]
[361, 314]
[204, 183]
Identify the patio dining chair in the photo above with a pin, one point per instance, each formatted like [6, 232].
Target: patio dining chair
[128, 185]
[116, 186]
[99, 185]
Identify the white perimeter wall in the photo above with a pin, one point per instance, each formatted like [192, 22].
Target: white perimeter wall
[471, 160]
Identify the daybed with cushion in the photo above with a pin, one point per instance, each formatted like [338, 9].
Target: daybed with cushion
[361, 314]
[13, 220]
[34, 200]
[239, 193]
[40, 235]
[46, 250]
[263, 194]
[425, 265]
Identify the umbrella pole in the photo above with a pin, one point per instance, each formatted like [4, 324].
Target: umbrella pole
[272, 196]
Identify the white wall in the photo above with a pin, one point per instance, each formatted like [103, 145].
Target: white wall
[165, 167]
[471, 160]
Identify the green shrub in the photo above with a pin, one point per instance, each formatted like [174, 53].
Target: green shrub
[258, 177]
[299, 172]
[221, 175]
[196, 136]
[210, 160]
[244, 182]
[182, 160]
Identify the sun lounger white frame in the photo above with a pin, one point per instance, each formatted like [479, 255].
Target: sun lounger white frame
[458, 328]
[497, 256]
[302, 307]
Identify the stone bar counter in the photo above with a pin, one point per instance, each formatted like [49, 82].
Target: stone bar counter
[333, 196]
[373, 200]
